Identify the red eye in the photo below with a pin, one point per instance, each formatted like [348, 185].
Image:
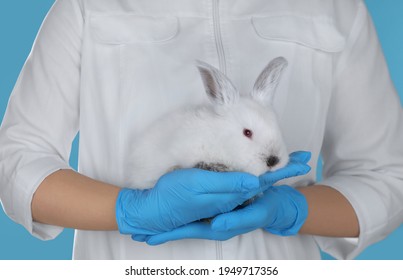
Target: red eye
[247, 132]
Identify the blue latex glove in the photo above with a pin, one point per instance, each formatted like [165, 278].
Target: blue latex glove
[297, 165]
[280, 210]
[181, 197]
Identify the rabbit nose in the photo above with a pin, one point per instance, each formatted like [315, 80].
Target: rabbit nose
[271, 161]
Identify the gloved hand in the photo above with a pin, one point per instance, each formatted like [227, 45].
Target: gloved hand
[297, 165]
[280, 210]
[181, 197]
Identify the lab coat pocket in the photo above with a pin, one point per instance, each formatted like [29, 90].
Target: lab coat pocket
[317, 33]
[133, 28]
[132, 46]
[310, 44]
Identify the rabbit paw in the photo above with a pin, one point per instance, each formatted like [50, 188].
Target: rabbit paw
[216, 167]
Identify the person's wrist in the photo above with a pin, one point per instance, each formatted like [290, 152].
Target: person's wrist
[126, 197]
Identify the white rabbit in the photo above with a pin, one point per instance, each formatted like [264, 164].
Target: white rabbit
[231, 133]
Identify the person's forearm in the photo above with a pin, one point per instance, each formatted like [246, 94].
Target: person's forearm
[69, 199]
[329, 214]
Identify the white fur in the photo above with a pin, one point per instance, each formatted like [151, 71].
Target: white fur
[211, 133]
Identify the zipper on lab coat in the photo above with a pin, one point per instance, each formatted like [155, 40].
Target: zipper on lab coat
[218, 37]
[223, 69]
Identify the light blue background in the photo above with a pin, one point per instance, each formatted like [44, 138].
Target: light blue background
[19, 23]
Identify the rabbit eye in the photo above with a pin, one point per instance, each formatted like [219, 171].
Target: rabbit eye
[248, 133]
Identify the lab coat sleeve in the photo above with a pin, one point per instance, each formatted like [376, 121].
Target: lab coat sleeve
[362, 149]
[41, 119]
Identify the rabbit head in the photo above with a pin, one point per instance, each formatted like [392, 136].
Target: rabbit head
[244, 128]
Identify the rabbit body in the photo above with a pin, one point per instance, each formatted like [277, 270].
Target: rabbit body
[231, 133]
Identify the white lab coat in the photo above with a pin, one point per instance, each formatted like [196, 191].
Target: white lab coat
[108, 68]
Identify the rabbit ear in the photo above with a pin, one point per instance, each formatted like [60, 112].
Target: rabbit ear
[266, 84]
[218, 87]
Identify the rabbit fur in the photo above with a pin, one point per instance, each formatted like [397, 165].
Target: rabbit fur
[232, 132]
